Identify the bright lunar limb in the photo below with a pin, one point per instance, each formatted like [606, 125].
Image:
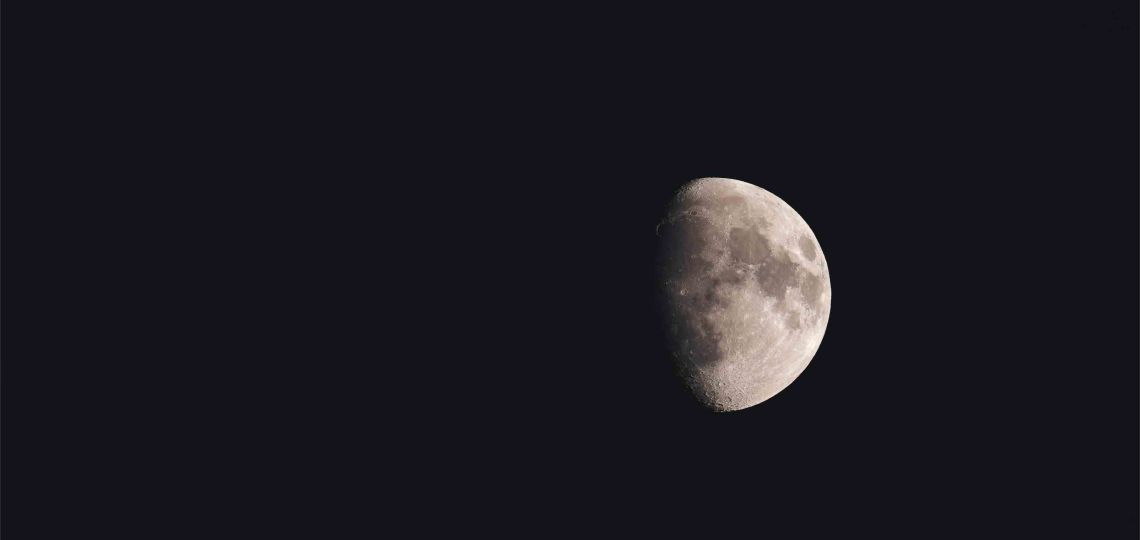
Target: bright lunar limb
[746, 291]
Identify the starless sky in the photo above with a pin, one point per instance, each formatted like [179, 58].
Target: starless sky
[334, 270]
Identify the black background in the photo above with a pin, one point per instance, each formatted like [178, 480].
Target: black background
[324, 270]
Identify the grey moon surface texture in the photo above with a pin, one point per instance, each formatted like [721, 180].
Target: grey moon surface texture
[746, 291]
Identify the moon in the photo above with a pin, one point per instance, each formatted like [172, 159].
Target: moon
[745, 291]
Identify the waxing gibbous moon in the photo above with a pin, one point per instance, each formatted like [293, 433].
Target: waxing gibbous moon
[745, 289]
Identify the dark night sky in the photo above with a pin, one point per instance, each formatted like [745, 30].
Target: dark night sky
[400, 267]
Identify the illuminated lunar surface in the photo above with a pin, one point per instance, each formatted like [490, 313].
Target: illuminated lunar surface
[746, 291]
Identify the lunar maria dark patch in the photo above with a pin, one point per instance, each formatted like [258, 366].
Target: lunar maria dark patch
[807, 247]
[747, 245]
[775, 270]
